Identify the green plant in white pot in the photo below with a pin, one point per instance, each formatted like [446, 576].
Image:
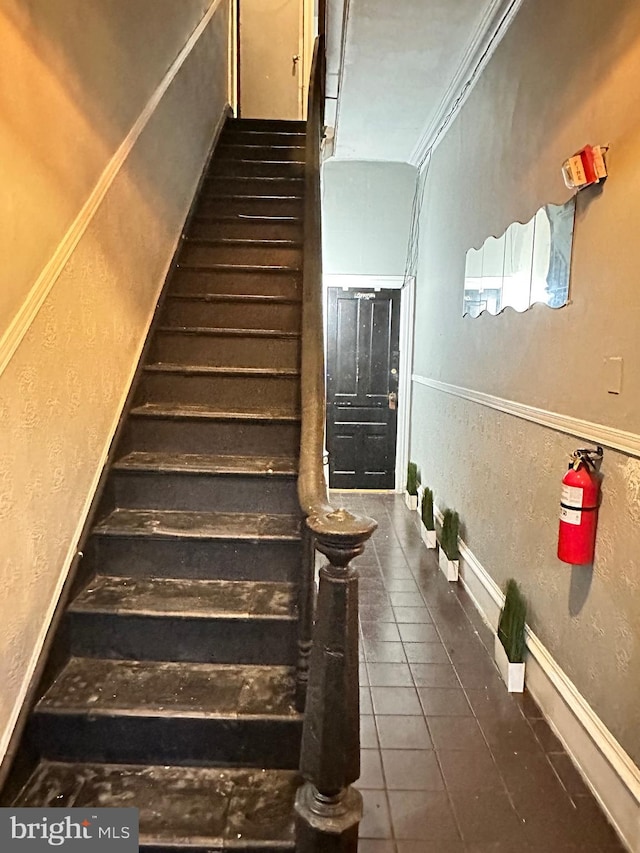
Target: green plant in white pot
[413, 481]
[428, 527]
[510, 641]
[449, 556]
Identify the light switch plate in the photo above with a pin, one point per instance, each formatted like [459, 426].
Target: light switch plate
[613, 374]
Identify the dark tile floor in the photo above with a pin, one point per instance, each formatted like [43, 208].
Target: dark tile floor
[451, 762]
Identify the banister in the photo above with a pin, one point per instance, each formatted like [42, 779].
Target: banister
[328, 809]
[312, 489]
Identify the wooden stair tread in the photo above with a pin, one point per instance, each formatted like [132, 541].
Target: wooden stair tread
[245, 242]
[211, 330]
[181, 808]
[195, 463]
[199, 525]
[172, 688]
[182, 411]
[261, 268]
[209, 370]
[186, 597]
[251, 298]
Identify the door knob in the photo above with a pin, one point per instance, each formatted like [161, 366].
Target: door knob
[295, 59]
[393, 400]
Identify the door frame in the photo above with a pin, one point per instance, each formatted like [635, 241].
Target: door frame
[308, 31]
[407, 303]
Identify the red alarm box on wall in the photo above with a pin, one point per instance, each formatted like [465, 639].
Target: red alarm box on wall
[586, 167]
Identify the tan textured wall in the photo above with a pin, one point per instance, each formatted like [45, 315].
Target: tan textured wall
[74, 77]
[565, 75]
[61, 393]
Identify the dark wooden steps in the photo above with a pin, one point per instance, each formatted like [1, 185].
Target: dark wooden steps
[175, 679]
[217, 200]
[275, 281]
[184, 619]
[262, 227]
[197, 482]
[257, 466]
[166, 712]
[253, 186]
[249, 810]
[197, 429]
[227, 347]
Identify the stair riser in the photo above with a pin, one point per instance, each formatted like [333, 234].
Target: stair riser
[227, 393]
[173, 638]
[246, 229]
[225, 351]
[179, 435]
[207, 559]
[197, 255]
[128, 739]
[231, 315]
[253, 150]
[261, 124]
[205, 492]
[273, 168]
[253, 186]
[286, 284]
[226, 206]
[264, 138]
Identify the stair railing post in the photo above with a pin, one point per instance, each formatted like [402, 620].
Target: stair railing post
[328, 809]
[306, 608]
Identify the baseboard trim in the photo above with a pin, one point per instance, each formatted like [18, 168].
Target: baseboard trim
[604, 765]
[616, 439]
[10, 745]
[19, 326]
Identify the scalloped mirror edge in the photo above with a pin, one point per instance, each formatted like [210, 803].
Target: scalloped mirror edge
[530, 263]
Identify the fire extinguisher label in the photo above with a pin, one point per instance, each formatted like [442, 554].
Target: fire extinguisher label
[570, 516]
[572, 500]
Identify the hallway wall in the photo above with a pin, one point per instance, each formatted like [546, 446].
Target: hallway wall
[91, 217]
[565, 75]
[366, 211]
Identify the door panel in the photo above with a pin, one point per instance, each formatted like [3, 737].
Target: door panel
[362, 373]
[270, 36]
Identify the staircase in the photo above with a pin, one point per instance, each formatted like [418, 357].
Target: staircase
[177, 684]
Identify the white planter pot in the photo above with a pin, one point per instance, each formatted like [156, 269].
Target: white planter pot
[449, 568]
[411, 501]
[512, 673]
[428, 536]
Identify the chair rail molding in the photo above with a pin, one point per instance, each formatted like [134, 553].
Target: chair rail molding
[21, 322]
[611, 437]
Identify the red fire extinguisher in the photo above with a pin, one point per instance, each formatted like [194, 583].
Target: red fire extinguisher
[579, 508]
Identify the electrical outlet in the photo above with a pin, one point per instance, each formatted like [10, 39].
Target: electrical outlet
[613, 374]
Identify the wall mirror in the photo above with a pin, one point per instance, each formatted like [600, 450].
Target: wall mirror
[529, 263]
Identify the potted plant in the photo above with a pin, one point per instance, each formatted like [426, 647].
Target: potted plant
[411, 493]
[509, 645]
[428, 527]
[449, 556]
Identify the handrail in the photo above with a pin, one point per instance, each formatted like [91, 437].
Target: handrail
[328, 809]
[312, 489]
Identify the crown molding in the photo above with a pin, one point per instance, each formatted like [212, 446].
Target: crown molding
[494, 24]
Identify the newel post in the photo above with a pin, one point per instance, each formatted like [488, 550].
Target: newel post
[328, 809]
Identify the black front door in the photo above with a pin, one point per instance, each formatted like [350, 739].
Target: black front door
[362, 387]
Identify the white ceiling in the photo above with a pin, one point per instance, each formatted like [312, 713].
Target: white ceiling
[395, 68]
